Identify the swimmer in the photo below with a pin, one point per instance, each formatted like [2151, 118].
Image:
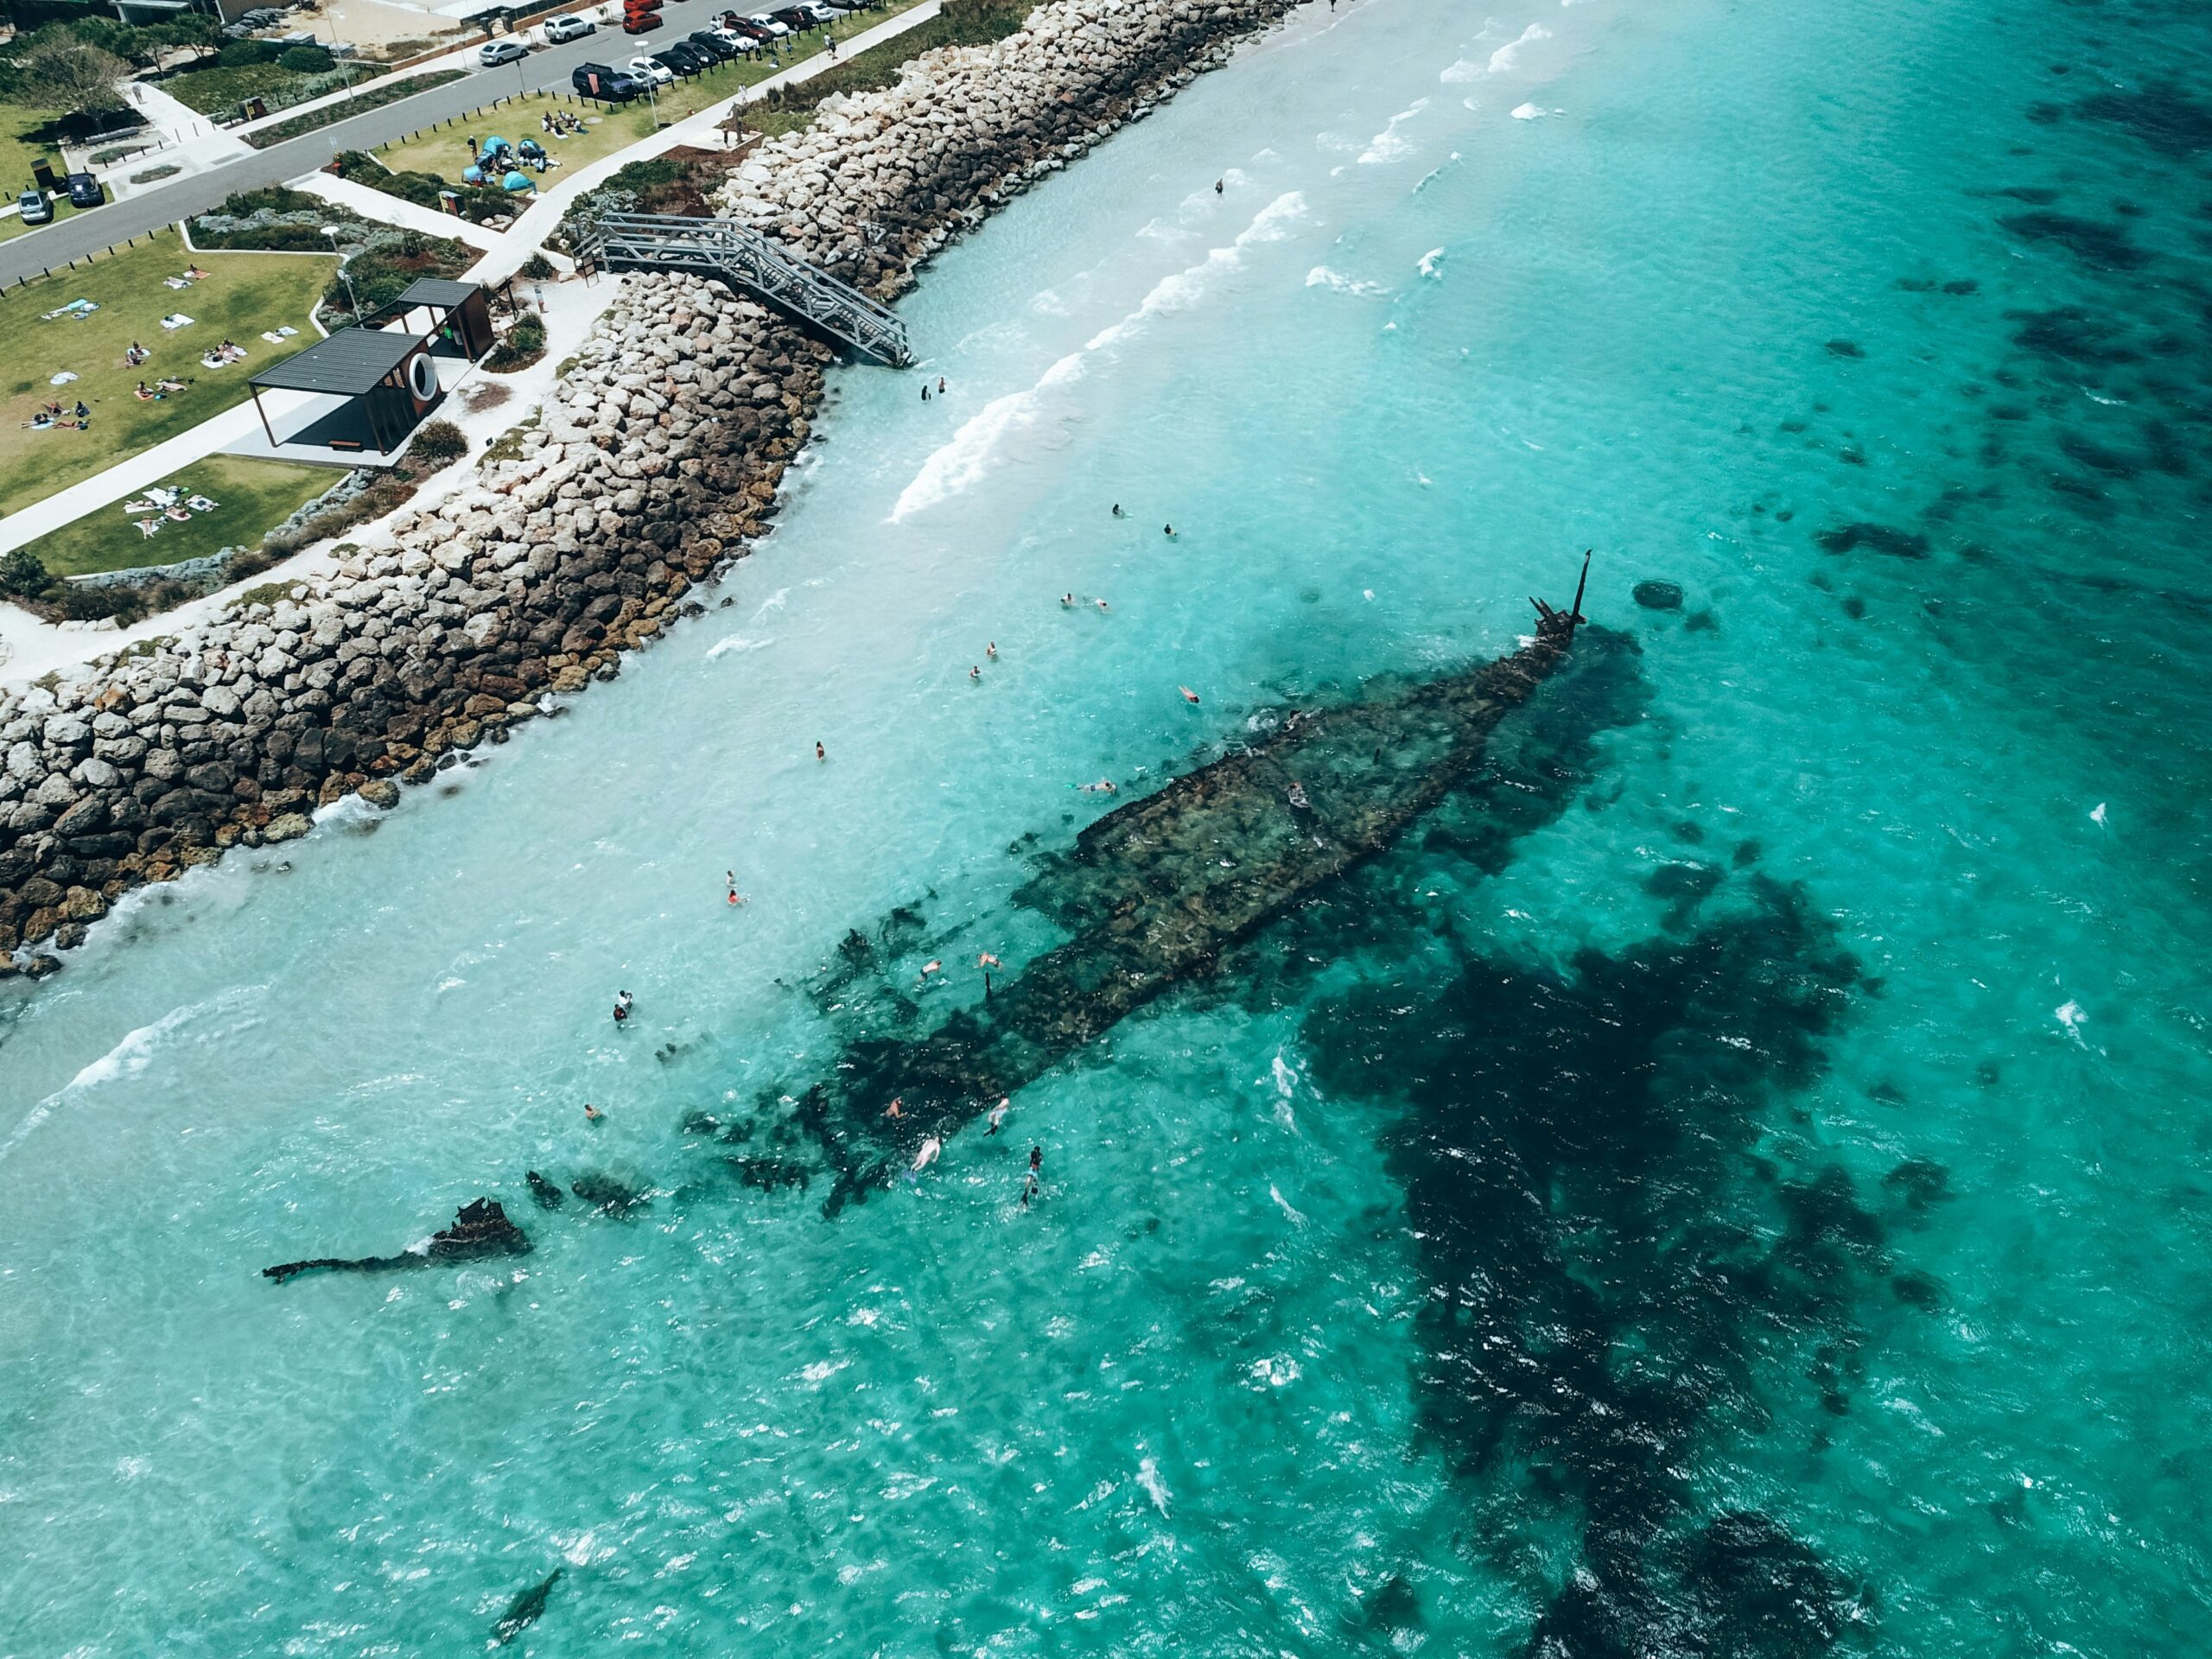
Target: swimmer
[930, 967]
[1118, 513]
[1031, 1188]
[1103, 606]
[894, 1109]
[975, 672]
[1189, 696]
[820, 754]
[1298, 796]
[991, 650]
[592, 1113]
[940, 385]
[1218, 183]
[926, 1156]
[998, 1114]
[987, 960]
[1167, 529]
[1066, 600]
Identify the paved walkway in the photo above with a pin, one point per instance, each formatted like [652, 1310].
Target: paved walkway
[376, 205]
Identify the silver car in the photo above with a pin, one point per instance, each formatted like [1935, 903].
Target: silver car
[495, 52]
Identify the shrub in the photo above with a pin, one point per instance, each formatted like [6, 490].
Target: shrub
[82, 603]
[307, 61]
[520, 346]
[537, 268]
[22, 574]
[243, 55]
[440, 441]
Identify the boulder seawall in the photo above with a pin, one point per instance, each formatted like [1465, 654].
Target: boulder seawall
[656, 459]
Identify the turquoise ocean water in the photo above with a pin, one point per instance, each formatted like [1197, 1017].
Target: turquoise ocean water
[1735, 1182]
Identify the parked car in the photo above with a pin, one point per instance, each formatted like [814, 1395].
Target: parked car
[649, 70]
[641, 23]
[85, 191]
[745, 28]
[776, 31]
[794, 18]
[498, 52]
[851, 5]
[682, 57]
[604, 80]
[568, 27]
[36, 209]
[738, 41]
[819, 12]
[713, 44]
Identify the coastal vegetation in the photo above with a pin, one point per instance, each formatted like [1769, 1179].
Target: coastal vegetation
[47, 331]
[374, 96]
[380, 261]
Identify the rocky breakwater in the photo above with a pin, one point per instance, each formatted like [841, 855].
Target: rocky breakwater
[653, 460]
[660, 450]
[882, 179]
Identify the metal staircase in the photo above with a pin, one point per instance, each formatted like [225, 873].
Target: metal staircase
[750, 263]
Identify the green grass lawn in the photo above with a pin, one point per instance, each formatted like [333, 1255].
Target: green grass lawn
[244, 294]
[251, 497]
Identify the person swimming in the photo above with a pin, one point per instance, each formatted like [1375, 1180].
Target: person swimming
[897, 1108]
[592, 1114]
[1066, 600]
[1103, 786]
[1189, 696]
[925, 1155]
[975, 672]
[991, 650]
[622, 1000]
[998, 1114]
[820, 754]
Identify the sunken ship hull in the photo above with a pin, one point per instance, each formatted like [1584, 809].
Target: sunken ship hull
[1156, 891]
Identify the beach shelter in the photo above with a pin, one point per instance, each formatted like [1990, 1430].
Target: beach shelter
[517, 181]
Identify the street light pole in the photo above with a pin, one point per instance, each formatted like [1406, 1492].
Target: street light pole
[334, 232]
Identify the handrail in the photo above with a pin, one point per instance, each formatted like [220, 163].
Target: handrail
[752, 264]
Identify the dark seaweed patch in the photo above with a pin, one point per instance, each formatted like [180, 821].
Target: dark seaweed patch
[1846, 348]
[2104, 247]
[2163, 117]
[2070, 335]
[1962, 286]
[1580, 1156]
[2034, 195]
[2096, 457]
[1878, 538]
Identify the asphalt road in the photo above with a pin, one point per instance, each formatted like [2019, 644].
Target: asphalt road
[545, 66]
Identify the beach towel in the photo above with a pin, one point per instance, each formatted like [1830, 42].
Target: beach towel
[287, 331]
[199, 504]
[63, 378]
[176, 281]
[272, 337]
[176, 320]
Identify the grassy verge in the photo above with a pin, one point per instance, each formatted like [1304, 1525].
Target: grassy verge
[242, 295]
[253, 498]
[961, 22]
[379, 94]
[442, 152]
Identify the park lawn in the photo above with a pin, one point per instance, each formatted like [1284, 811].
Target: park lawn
[18, 149]
[244, 294]
[252, 497]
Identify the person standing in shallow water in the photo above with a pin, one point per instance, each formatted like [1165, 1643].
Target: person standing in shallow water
[820, 754]
[1031, 1187]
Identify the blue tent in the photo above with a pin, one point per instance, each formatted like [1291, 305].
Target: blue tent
[517, 181]
[473, 174]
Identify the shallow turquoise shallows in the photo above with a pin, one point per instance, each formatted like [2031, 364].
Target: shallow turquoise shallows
[1735, 1181]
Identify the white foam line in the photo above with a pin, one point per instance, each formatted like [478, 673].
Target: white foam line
[969, 455]
[126, 1059]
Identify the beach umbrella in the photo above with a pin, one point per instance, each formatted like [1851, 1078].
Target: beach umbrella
[517, 181]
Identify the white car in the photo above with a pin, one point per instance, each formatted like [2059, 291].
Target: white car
[646, 69]
[568, 27]
[498, 52]
[820, 13]
[762, 20]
